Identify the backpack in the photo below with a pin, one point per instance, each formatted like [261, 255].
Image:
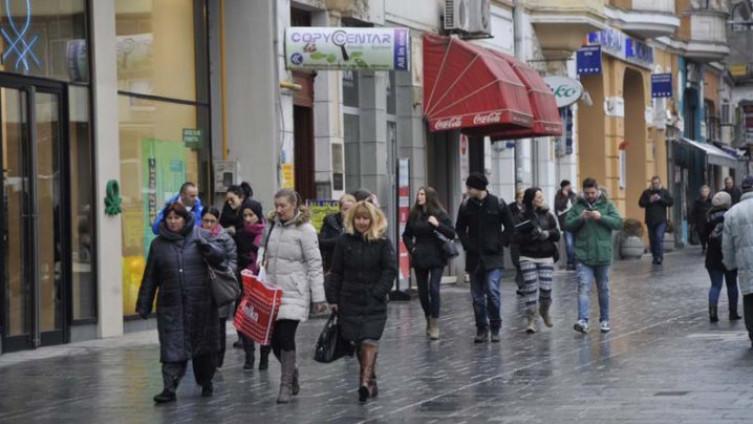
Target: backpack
[716, 234]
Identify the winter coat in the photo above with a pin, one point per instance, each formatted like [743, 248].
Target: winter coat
[656, 212]
[714, 258]
[294, 264]
[245, 243]
[699, 214]
[332, 229]
[735, 193]
[562, 204]
[225, 243]
[484, 227]
[530, 243]
[737, 241]
[361, 276]
[230, 217]
[196, 210]
[424, 246]
[593, 239]
[187, 316]
[249, 239]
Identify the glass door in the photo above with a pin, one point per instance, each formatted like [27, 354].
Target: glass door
[31, 230]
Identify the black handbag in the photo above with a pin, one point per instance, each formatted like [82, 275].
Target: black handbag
[449, 248]
[224, 284]
[331, 346]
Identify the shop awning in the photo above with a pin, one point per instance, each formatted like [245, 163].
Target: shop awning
[714, 155]
[484, 92]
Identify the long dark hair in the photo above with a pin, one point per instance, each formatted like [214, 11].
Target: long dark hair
[528, 197]
[432, 207]
[242, 190]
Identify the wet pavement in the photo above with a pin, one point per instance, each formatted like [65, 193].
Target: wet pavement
[662, 363]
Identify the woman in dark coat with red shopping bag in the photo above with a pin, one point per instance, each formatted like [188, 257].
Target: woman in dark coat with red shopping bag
[186, 312]
[362, 273]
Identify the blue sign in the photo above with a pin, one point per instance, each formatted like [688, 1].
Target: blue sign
[588, 60]
[661, 85]
[622, 46]
[638, 51]
[16, 41]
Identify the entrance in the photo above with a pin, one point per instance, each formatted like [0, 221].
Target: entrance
[33, 240]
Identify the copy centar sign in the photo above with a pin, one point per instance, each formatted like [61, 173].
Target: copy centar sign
[329, 48]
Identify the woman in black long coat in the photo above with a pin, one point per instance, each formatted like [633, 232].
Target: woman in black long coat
[332, 229]
[186, 312]
[363, 270]
[427, 256]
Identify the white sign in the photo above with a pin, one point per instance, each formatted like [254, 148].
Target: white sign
[614, 107]
[334, 48]
[566, 90]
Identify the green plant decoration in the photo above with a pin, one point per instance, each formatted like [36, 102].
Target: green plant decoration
[112, 199]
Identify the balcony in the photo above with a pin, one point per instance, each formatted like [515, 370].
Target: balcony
[704, 30]
[561, 25]
[645, 18]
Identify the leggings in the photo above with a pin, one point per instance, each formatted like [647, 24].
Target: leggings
[537, 278]
[283, 337]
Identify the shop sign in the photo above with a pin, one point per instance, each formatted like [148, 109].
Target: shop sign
[617, 44]
[588, 60]
[566, 90]
[747, 118]
[319, 209]
[333, 48]
[192, 138]
[403, 215]
[661, 85]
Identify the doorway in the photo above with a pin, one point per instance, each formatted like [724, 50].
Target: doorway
[33, 246]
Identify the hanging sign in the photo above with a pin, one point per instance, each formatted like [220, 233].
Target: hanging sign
[403, 210]
[588, 60]
[661, 85]
[333, 48]
[566, 90]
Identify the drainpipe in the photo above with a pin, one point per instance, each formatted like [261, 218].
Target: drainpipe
[517, 29]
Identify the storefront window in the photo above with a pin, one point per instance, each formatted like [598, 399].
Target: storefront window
[160, 48]
[44, 38]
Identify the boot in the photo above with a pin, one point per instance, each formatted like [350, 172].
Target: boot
[482, 335]
[373, 388]
[733, 316]
[250, 348]
[207, 390]
[264, 358]
[713, 315]
[295, 387]
[428, 326]
[531, 322]
[433, 329]
[170, 382]
[544, 305]
[287, 371]
[367, 356]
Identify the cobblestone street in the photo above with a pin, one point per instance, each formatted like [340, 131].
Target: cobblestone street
[662, 363]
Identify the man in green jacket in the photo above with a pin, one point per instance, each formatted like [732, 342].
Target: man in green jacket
[592, 220]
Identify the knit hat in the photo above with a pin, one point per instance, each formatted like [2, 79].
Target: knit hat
[721, 199]
[255, 206]
[747, 184]
[477, 181]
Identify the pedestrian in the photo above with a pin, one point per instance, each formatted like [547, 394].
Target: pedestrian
[718, 273]
[294, 264]
[484, 225]
[655, 200]
[213, 231]
[427, 218]
[188, 196]
[231, 210]
[187, 316]
[563, 201]
[332, 229]
[537, 237]
[699, 214]
[516, 208]
[731, 189]
[363, 194]
[592, 220]
[363, 271]
[737, 248]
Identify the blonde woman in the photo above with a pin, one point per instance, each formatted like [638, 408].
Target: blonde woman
[362, 273]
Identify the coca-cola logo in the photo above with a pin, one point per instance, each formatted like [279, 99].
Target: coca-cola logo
[451, 122]
[487, 118]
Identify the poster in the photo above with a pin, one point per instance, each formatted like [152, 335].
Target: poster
[319, 209]
[403, 215]
[288, 176]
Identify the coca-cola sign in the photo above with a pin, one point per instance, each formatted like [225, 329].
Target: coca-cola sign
[449, 123]
[487, 118]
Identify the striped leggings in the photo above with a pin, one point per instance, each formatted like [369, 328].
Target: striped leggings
[537, 284]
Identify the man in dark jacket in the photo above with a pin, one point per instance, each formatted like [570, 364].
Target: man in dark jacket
[698, 214]
[655, 200]
[563, 201]
[731, 189]
[485, 226]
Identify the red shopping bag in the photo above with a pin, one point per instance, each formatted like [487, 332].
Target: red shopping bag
[257, 311]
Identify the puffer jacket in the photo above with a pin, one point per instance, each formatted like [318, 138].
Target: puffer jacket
[529, 243]
[225, 243]
[294, 264]
[714, 258]
[484, 227]
[737, 241]
[424, 246]
[362, 274]
[186, 313]
[593, 239]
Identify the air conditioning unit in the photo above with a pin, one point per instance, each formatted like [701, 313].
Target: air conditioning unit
[468, 17]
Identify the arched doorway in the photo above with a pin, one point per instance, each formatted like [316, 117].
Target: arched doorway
[635, 157]
[591, 124]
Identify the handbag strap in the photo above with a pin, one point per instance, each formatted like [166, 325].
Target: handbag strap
[266, 242]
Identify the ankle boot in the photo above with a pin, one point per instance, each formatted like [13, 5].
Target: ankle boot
[250, 348]
[544, 305]
[733, 313]
[170, 380]
[264, 357]
[433, 329]
[428, 326]
[287, 371]
[367, 356]
[713, 315]
[531, 322]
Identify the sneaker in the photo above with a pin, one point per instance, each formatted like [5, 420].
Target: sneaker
[482, 335]
[581, 326]
[604, 326]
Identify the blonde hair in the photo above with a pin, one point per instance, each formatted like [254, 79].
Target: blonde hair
[378, 226]
[347, 198]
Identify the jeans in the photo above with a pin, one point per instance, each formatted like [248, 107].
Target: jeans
[487, 298]
[570, 247]
[656, 238]
[717, 276]
[428, 281]
[586, 275]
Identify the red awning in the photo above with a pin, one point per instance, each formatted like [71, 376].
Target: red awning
[483, 92]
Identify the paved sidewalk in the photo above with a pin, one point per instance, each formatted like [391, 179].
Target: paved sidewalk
[662, 363]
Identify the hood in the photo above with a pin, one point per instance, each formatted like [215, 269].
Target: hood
[300, 218]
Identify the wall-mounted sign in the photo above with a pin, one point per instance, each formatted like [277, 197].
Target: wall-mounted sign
[566, 90]
[588, 60]
[661, 85]
[333, 48]
[614, 107]
[618, 44]
[192, 138]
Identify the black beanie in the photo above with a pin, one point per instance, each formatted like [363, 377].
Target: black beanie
[477, 181]
[255, 206]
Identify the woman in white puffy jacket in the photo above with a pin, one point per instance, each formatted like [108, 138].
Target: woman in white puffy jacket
[293, 263]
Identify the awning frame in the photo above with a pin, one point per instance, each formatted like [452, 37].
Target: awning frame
[714, 155]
